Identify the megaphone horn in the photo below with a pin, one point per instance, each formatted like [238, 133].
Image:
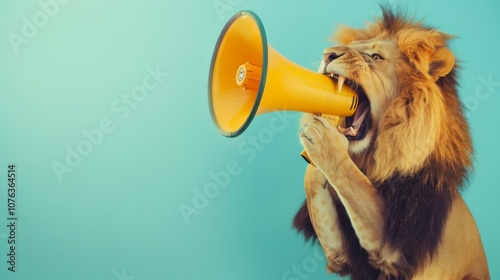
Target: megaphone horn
[248, 78]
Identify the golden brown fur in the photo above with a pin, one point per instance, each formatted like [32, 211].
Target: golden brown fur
[414, 137]
[387, 205]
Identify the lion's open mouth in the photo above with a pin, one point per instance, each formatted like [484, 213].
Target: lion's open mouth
[357, 125]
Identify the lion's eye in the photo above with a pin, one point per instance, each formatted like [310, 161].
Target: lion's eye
[377, 57]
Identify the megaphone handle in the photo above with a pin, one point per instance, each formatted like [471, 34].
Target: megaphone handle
[306, 158]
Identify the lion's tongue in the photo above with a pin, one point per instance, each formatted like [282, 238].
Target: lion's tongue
[358, 119]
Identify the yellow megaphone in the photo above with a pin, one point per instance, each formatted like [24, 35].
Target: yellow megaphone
[248, 78]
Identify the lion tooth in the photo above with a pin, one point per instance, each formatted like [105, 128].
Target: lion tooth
[340, 83]
[352, 131]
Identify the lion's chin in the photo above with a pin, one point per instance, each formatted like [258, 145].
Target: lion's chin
[360, 146]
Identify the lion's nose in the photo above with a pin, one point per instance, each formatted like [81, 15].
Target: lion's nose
[331, 56]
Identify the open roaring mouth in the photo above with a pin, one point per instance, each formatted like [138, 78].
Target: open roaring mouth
[356, 126]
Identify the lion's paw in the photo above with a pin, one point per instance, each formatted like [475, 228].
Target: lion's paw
[322, 141]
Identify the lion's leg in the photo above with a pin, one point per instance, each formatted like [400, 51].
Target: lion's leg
[324, 218]
[328, 150]
[365, 210]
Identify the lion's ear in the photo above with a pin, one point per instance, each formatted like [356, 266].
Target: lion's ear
[441, 63]
[427, 50]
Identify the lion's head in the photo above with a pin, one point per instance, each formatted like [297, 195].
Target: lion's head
[409, 112]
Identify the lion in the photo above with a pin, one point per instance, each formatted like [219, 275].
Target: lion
[383, 190]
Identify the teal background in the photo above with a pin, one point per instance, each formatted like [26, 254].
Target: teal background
[116, 215]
